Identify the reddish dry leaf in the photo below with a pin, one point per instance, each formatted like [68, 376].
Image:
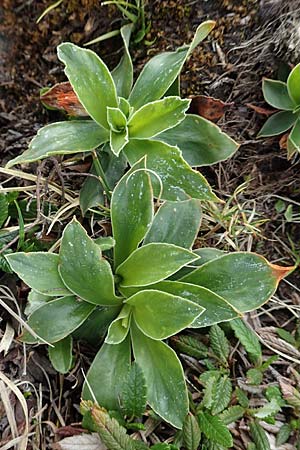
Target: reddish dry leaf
[260, 110]
[62, 96]
[208, 107]
[68, 431]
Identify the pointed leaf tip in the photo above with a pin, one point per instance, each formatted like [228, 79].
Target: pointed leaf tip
[281, 272]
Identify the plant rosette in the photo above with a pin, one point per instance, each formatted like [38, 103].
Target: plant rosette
[124, 122]
[149, 286]
[285, 97]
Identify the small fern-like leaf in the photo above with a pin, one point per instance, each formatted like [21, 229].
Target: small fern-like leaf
[222, 395]
[247, 338]
[191, 433]
[259, 436]
[134, 394]
[214, 429]
[219, 343]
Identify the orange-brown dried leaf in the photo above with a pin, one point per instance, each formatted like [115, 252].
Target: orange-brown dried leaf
[260, 110]
[62, 96]
[283, 141]
[208, 107]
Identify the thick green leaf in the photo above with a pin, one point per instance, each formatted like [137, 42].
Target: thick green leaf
[207, 254]
[248, 339]
[90, 79]
[131, 213]
[134, 392]
[83, 269]
[162, 70]
[159, 315]
[118, 141]
[202, 142]
[3, 209]
[123, 73]
[293, 84]
[294, 136]
[245, 280]
[178, 179]
[91, 193]
[214, 429]
[63, 138]
[107, 374]
[105, 242]
[176, 223]
[119, 328]
[277, 95]
[278, 123]
[167, 392]
[58, 318]
[191, 433]
[152, 263]
[116, 119]
[156, 117]
[61, 355]
[39, 270]
[34, 301]
[216, 308]
[95, 327]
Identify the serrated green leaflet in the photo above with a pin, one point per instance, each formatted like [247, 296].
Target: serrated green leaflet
[167, 396]
[66, 314]
[247, 338]
[245, 280]
[107, 374]
[61, 355]
[277, 95]
[83, 269]
[202, 142]
[219, 343]
[159, 315]
[131, 213]
[152, 263]
[63, 138]
[191, 433]
[214, 429]
[179, 180]
[176, 223]
[134, 392]
[90, 79]
[39, 271]
[293, 84]
[153, 118]
[162, 70]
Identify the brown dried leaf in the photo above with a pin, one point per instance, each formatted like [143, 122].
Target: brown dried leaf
[260, 110]
[62, 96]
[83, 442]
[208, 107]
[283, 141]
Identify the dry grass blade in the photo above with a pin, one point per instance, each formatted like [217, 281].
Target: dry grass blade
[7, 338]
[22, 445]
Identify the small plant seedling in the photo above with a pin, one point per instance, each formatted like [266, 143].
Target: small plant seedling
[286, 98]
